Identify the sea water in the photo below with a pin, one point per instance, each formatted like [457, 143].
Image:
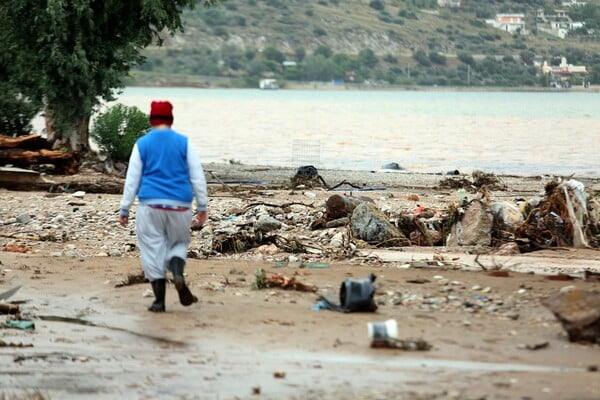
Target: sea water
[522, 133]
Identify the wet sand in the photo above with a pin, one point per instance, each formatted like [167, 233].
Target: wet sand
[492, 338]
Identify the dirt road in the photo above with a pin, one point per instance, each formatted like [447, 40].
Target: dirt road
[94, 340]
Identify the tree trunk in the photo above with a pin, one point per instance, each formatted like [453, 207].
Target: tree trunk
[79, 136]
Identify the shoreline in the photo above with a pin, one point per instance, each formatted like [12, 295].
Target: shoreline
[391, 179]
[208, 83]
[89, 179]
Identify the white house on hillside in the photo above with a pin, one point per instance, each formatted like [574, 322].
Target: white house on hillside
[559, 24]
[573, 3]
[512, 23]
[449, 3]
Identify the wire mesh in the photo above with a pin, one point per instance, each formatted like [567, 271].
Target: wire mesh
[306, 152]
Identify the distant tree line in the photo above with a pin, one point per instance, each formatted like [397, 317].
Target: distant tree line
[507, 60]
[247, 67]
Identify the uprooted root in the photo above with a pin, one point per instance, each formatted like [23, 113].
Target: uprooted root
[548, 225]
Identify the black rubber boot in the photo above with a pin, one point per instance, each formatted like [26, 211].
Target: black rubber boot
[176, 265]
[159, 287]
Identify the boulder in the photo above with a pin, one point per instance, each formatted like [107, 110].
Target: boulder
[507, 216]
[579, 313]
[370, 224]
[475, 227]
[265, 223]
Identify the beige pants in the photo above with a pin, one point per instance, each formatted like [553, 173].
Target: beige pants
[161, 234]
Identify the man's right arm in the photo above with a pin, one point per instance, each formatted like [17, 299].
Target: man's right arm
[132, 181]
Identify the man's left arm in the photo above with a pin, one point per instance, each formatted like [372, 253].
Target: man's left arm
[198, 181]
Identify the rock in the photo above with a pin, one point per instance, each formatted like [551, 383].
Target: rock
[337, 240]
[266, 250]
[413, 197]
[508, 216]
[23, 219]
[393, 166]
[338, 206]
[579, 313]
[337, 222]
[368, 223]
[475, 227]
[265, 223]
[59, 219]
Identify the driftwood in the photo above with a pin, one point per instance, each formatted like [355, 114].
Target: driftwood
[30, 142]
[26, 151]
[64, 162]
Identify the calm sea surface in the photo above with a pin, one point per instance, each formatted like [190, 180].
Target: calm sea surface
[500, 132]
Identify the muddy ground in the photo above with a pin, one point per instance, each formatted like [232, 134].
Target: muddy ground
[491, 336]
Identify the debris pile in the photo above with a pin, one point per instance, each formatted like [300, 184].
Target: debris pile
[312, 225]
[560, 217]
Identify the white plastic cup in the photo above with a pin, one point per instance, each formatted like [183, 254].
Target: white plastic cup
[382, 333]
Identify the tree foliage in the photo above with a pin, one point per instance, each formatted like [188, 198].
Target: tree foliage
[16, 110]
[72, 54]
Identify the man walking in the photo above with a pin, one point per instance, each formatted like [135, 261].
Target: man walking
[165, 173]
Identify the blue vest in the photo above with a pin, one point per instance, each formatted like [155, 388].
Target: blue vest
[165, 171]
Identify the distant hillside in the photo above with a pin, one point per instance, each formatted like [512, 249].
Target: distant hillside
[393, 41]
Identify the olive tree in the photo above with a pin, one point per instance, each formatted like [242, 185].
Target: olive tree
[71, 55]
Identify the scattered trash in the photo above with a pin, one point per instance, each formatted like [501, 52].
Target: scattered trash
[259, 279]
[8, 308]
[11, 344]
[279, 374]
[535, 346]
[280, 281]
[559, 277]
[385, 335]
[356, 295]
[20, 324]
[315, 265]
[591, 276]
[308, 176]
[418, 281]
[381, 333]
[479, 179]
[132, 279]
[17, 248]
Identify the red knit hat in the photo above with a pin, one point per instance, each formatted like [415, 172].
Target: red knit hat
[161, 112]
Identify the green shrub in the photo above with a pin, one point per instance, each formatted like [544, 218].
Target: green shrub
[320, 32]
[377, 5]
[16, 112]
[116, 131]
[437, 58]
